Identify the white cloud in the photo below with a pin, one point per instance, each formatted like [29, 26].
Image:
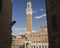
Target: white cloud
[34, 31]
[41, 10]
[39, 17]
[20, 33]
[16, 30]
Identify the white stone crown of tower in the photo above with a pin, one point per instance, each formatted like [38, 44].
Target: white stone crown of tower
[29, 7]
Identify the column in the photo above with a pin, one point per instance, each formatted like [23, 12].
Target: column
[38, 46]
[41, 46]
[25, 44]
[33, 46]
[47, 46]
[44, 46]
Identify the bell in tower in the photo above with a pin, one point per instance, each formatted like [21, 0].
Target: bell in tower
[29, 5]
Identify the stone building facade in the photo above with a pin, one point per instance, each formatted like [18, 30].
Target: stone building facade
[53, 22]
[5, 27]
[38, 40]
[34, 40]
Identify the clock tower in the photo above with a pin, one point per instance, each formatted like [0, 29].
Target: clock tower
[29, 17]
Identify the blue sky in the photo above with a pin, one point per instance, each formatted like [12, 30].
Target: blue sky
[19, 14]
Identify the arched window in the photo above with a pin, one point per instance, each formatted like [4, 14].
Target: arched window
[27, 44]
[42, 46]
[45, 46]
[39, 46]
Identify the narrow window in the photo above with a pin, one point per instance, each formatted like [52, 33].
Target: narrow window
[54, 23]
[39, 46]
[39, 35]
[42, 46]
[0, 5]
[34, 46]
[51, 2]
[45, 46]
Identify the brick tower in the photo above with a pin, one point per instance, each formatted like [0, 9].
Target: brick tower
[29, 17]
